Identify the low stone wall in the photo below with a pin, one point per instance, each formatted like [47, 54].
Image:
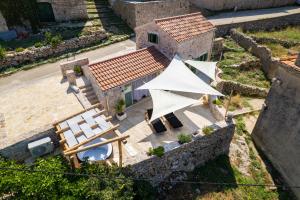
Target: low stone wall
[257, 25]
[139, 13]
[34, 54]
[187, 156]
[226, 87]
[269, 64]
[19, 150]
[284, 43]
[218, 47]
[69, 65]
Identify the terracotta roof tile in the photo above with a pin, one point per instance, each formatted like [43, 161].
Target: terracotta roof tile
[184, 27]
[120, 70]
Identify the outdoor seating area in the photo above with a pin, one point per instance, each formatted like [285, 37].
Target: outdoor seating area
[88, 136]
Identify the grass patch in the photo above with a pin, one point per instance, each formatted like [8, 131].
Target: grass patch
[207, 130]
[289, 34]
[184, 138]
[229, 65]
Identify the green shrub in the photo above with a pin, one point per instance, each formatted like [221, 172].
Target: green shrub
[107, 182]
[217, 102]
[184, 138]
[207, 130]
[158, 151]
[77, 69]
[48, 37]
[120, 106]
[38, 44]
[19, 49]
[240, 125]
[55, 41]
[2, 52]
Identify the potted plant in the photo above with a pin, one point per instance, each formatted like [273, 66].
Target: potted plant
[120, 107]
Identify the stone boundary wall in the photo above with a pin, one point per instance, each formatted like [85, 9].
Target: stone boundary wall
[284, 43]
[259, 25]
[226, 87]
[187, 156]
[19, 151]
[219, 5]
[139, 13]
[269, 64]
[34, 54]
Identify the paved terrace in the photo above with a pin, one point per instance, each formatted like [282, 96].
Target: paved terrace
[253, 15]
[142, 137]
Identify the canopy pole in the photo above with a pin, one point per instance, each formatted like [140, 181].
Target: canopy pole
[120, 152]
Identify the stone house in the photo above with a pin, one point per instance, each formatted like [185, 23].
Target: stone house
[61, 10]
[277, 130]
[190, 36]
[118, 77]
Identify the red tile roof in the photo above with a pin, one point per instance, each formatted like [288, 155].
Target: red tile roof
[123, 69]
[184, 27]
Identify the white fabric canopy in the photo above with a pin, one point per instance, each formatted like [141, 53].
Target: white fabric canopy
[167, 102]
[178, 77]
[207, 68]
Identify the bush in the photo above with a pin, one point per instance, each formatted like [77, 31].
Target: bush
[217, 102]
[184, 138]
[55, 41]
[207, 130]
[120, 106]
[19, 49]
[77, 69]
[2, 53]
[236, 101]
[159, 151]
[38, 44]
[107, 182]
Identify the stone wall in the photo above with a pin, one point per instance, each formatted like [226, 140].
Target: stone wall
[277, 130]
[3, 26]
[226, 87]
[257, 25]
[219, 5]
[187, 156]
[139, 13]
[19, 151]
[69, 65]
[66, 10]
[34, 54]
[269, 64]
[218, 47]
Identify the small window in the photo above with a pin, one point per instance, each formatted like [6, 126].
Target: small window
[153, 38]
[203, 57]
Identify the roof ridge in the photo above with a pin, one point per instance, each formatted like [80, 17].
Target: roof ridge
[121, 56]
[177, 17]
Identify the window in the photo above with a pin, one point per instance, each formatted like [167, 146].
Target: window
[203, 57]
[153, 38]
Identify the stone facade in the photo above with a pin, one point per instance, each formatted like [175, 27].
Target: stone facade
[277, 130]
[136, 13]
[189, 49]
[187, 156]
[219, 5]
[19, 150]
[260, 25]
[66, 10]
[34, 54]
[226, 87]
[3, 26]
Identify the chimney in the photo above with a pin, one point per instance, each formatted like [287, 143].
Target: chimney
[298, 60]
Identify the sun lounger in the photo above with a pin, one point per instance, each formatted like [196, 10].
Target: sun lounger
[157, 124]
[173, 120]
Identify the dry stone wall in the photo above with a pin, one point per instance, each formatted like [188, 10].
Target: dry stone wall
[34, 54]
[187, 156]
[218, 5]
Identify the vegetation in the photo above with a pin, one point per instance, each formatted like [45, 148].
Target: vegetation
[20, 49]
[217, 102]
[158, 151]
[289, 33]
[78, 70]
[240, 125]
[184, 138]
[2, 52]
[120, 106]
[232, 57]
[106, 183]
[207, 130]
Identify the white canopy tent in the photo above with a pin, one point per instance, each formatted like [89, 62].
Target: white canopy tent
[178, 77]
[207, 68]
[167, 102]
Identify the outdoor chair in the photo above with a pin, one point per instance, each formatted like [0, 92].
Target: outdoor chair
[173, 120]
[157, 124]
